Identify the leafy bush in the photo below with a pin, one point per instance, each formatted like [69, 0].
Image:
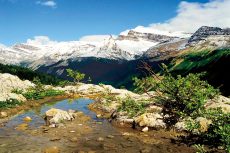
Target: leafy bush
[38, 91]
[185, 97]
[179, 96]
[64, 83]
[10, 103]
[218, 133]
[131, 107]
[75, 75]
[17, 91]
[35, 95]
[199, 148]
[144, 85]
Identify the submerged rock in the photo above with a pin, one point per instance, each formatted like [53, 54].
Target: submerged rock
[100, 139]
[52, 149]
[27, 119]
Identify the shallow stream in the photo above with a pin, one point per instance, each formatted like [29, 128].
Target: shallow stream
[84, 134]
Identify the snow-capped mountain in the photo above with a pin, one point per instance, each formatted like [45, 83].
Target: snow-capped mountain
[204, 38]
[128, 45]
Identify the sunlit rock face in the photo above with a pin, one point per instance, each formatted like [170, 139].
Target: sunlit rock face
[205, 32]
[10, 82]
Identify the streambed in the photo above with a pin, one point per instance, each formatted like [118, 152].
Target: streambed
[86, 133]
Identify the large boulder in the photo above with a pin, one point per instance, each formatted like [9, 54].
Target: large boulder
[154, 120]
[56, 116]
[10, 82]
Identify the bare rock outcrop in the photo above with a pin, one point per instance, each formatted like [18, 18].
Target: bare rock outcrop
[10, 82]
[55, 116]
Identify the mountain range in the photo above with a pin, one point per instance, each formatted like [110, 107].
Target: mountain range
[116, 59]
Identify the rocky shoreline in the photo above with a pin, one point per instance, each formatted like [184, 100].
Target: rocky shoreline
[107, 100]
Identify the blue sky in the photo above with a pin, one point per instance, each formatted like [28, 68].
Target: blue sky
[64, 20]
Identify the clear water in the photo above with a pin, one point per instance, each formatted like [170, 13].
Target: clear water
[38, 114]
[15, 141]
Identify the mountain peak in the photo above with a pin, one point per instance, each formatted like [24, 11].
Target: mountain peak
[151, 30]
[205, 31]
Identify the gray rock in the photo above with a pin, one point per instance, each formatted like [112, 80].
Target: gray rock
[206, 31]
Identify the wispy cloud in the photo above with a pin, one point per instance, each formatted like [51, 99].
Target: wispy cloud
[49, 3]
[40, 40]
[192, 15]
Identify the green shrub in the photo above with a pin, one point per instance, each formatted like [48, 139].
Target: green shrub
[199, 148]
[218, 132]
[10, 103]
[75, 75]
[144, 85]
[38, 91]
[64, 83]
[185, 97]
[131, 107]
[35, 95]
[17, 91]
[179, 96]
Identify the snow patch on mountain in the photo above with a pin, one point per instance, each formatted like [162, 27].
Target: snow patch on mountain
[152, 30]
[127, 46]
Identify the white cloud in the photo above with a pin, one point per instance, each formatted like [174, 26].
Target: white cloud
[96, 38]
[49, 3]
[192, 15]
[2, 46]
[40, 40]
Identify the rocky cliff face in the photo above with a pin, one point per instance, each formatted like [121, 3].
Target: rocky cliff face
[164, 50]
[204, 38]
[204, 32]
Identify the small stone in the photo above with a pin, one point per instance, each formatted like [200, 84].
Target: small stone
[100, 139]
[146, 150]
[125, 134]
[221, 147]
[3, 114]
[61, 125]
[45, 130]
[145, 129]
[55, 139]
[72, 131]
[27, 119]
[22, 126]
[110, 136]
[74, 139]
[52, 126]
[52, 149]
[108, 146]
[99, 115]
[87, 139]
